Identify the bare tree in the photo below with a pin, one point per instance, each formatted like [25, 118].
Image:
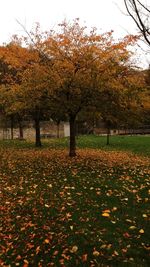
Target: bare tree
[139, 11]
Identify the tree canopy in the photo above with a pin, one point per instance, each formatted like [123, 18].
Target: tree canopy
[68, 70]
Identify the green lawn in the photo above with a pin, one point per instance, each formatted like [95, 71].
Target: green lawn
[92, 210]
[136, 144]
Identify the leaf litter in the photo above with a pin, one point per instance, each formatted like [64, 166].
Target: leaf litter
[85, 211]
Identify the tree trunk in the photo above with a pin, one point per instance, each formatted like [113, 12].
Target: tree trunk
[72, 149]
[12, 127]
[20, 130]
[37, 132]
[108, 136]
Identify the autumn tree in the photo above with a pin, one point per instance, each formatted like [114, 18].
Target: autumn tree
[87, 120]
[26, 89]
[71, 68]
[35, 87]
[83, 66]
[120, 92]
[136, 83]
[145, 99]
[9, 78]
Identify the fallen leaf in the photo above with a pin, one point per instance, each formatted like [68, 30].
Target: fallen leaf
[103, 246]
[132, 227]
[46, 241]
[95, 253]
[18, 257]
[105, 214]
[74, 249]
[127, 235]
[84, 257]
[37, 250]
[116, 253]
[144, 216]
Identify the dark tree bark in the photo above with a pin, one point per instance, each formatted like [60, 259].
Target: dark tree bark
[37, 132]
[108, 136]
[20, 129]
[72, 150]
[12, 127]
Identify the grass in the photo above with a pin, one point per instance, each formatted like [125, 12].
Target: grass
[136, 144]
[92, 210]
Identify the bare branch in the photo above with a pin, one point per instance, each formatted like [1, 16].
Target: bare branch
[135, 10]
[147, 9]
[41, 53]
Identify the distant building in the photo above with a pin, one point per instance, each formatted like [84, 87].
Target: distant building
[48, 129]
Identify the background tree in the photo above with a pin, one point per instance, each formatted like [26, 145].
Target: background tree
[9, 78]
[26, 89]
[34, 95]
[57, 114]
[145, 98]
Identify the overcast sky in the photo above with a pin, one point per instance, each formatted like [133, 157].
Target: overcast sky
[104, 14]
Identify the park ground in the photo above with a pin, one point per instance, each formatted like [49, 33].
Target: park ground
[91, 210]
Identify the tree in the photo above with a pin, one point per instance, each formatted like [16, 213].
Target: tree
[120, 101]
[140, 13]
[83, 64]
[57, 114]
[145, 98]
[34, 93]
[8, 78]
[26, 89]
[71, 68]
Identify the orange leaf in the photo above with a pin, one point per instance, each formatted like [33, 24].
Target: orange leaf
[46, 241]
[84, 257]
[105, 214]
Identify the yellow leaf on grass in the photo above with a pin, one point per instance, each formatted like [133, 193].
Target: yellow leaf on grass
[74, 249]
[37, 250]
[103, 246]
[132, 227]
[116, 253]
[141, 231]
[95, 253]
[114, 208]
[105, 214]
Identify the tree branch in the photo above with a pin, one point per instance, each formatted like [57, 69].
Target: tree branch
[135, 13]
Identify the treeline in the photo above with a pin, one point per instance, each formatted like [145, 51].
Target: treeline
[70, 73]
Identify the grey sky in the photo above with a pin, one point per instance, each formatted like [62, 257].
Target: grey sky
[104, 14]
